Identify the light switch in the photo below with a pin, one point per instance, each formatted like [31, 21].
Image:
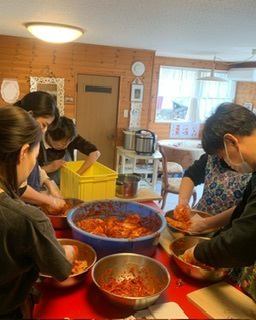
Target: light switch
[126, 113]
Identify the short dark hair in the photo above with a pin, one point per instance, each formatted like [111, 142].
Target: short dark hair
[41, 103]
[228, 118]
[64, 129]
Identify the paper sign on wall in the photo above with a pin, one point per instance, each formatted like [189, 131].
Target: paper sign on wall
[184, 130]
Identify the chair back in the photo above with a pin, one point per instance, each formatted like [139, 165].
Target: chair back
[163, 151]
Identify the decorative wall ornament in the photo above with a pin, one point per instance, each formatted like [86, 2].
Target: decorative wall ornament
[10, 90]
[54, 86]
[137, 92]
[135, 115]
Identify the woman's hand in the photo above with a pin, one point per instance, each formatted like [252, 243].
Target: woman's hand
[53, 189]
[71, 252]
[56, 203]
[188, 256]
[199, 225]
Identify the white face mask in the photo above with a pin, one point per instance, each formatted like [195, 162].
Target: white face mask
[242, 167]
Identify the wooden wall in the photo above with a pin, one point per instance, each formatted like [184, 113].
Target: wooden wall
[246, 92]
[163, 129]
[21, 58]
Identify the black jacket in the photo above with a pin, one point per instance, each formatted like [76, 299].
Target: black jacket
[235, 246]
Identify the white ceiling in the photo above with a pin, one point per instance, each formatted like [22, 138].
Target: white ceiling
[178, 28]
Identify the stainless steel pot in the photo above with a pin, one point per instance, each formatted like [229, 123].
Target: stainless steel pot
[127, 185]
[129, 139]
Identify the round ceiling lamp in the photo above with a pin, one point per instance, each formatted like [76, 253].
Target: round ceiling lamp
[54, 32]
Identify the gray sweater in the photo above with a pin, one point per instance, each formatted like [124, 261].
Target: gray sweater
[28, 246]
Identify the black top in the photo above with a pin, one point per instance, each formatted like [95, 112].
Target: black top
[48, 155]
[196, 172]
[235, 245]
[28, 246]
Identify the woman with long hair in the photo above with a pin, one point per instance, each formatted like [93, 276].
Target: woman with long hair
[41, 105]
[28, 245]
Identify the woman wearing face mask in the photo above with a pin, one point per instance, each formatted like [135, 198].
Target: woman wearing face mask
[231, 130]
[223, 186]
[28, 245]
[42, 107]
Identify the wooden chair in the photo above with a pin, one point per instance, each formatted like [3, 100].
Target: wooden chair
[169, 184]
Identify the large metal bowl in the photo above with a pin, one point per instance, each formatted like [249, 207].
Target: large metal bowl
[125, 265]
[145, 245]
[185, 232]
[60, 221]
[179, 246]
[85, 252]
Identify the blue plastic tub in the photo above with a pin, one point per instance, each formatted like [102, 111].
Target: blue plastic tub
[104, 246]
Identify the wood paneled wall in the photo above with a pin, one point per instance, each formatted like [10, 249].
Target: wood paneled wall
[21, 58]
[246, 92]
[163, 129]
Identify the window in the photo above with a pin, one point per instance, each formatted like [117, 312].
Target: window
[181, 97]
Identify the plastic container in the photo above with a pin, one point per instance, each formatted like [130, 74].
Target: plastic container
[97, 183]
[104, 246]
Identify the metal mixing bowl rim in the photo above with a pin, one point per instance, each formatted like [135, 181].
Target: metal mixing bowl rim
[137, 255]
[150, 236]
[85, 270]
[190, 233]
[192, 265]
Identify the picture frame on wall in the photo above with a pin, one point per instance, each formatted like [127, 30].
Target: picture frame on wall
[137, 92]
[54, 86]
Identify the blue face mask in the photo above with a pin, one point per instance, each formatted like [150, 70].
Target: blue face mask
[242, 167]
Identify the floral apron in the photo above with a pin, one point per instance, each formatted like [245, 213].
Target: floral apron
[248, 280]
[223, 187]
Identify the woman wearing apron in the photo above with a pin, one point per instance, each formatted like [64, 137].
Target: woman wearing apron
[223, 187]
[231, 131]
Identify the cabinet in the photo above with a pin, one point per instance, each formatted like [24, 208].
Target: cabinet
[128, 161]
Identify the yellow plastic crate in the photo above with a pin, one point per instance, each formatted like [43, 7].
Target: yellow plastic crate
[97, 183]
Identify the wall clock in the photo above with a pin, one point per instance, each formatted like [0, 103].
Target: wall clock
[138, 68]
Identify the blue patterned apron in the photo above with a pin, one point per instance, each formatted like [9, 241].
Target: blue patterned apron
[223, 187]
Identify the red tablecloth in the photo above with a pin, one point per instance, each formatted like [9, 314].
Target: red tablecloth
[86, 301]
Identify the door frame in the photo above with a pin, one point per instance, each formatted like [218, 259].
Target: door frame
[100, 74]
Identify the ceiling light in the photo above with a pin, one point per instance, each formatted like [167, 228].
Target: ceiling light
[212, 77]
[54, 32]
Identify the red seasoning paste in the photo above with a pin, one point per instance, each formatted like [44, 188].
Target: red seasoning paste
[133, 284]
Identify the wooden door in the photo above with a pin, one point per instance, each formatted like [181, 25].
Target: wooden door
[96, 115]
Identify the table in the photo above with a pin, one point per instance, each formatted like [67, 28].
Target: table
[86, 301]
[184, 152]
[124, 154]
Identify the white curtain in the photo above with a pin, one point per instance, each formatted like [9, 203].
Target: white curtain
[213, 93]
[201, 97]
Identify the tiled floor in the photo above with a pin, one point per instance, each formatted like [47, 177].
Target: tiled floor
[172, 199]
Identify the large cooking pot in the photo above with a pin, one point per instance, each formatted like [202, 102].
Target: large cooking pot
[127, 185]
[145, 142]
[129, 139]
